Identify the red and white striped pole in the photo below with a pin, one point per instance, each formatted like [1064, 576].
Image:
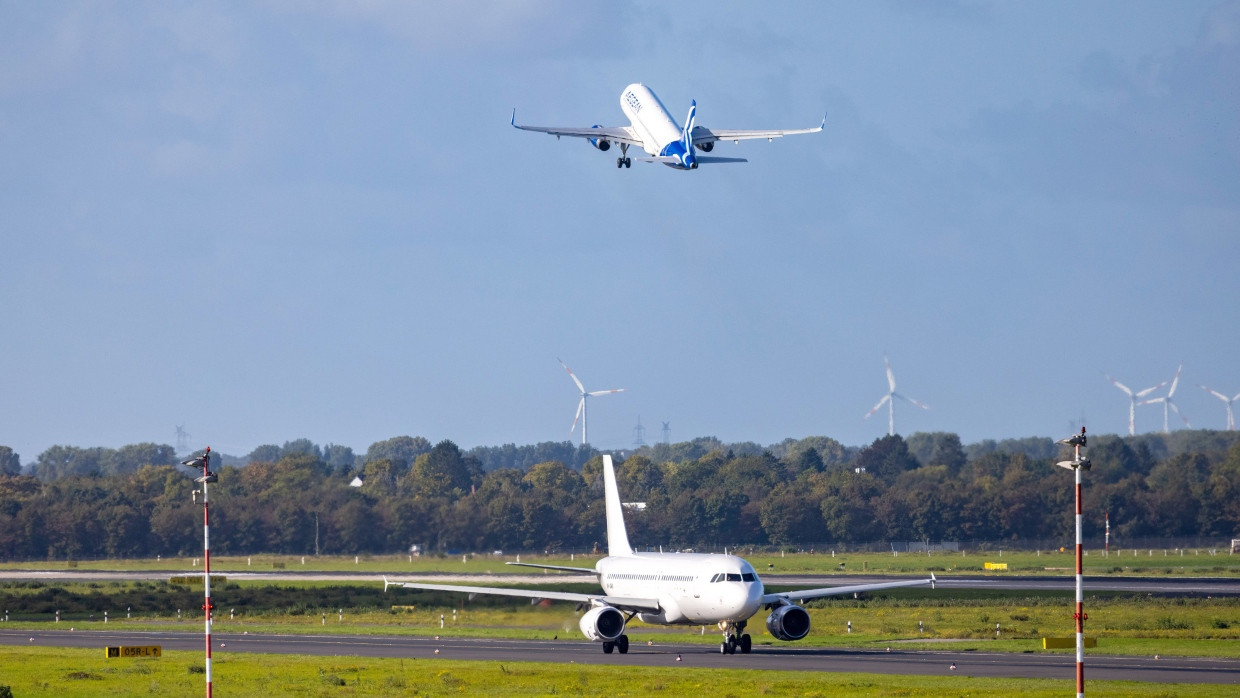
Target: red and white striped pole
[206, 557]
[1077, 464]
[1080, 587]
[204, 462]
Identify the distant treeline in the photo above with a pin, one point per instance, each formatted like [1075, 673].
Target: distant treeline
[79, 503]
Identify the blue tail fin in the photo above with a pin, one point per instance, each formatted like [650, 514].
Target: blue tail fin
[687, 136]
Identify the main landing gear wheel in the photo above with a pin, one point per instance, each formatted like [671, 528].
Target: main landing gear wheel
[746, 644]
[624, 162]
[622, 644]
[608, 647]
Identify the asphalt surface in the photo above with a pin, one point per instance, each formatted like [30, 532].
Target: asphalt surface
[782, 658]
[1203, 586]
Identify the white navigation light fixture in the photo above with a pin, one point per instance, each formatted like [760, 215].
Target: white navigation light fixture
[1168, 404]
[581, 406]
[1132, 401]
[889, 399]
[1231, 417]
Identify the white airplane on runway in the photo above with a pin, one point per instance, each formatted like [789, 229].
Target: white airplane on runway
[654, 130]
[672, 589]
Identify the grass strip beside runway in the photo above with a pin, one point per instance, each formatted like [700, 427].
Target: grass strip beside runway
[69, 673]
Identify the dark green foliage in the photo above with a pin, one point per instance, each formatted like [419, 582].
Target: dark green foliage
[10, 462]
[94, 503]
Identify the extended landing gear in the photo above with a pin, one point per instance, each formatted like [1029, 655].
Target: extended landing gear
[734, 638]
[621, 644]
[624, 160]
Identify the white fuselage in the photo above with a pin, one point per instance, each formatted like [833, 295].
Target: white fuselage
[692, 589]
[649, 118]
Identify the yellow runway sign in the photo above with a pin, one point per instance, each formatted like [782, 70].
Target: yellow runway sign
[136, 651]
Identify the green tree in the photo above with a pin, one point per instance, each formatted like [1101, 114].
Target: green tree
[301, 447]
[637, 477]
[339, 458]
[788, 518]
[128, 459]
[10, 462]
[267, 453]
[65, 461]
[442, 472]
[402, 451]
[886, 458]
[938, 448]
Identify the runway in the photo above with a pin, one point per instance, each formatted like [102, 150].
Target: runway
[782, 658]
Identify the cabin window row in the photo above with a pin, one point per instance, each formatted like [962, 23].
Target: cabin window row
[654, 577]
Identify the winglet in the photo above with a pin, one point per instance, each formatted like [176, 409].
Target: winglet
[514, 118]
[933, 579]
[820, 126]
[617, 537]
[386, 583]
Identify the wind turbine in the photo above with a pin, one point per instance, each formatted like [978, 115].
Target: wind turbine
[1168, 404]
[581, 406]
[889, 399]
[1132, 401]
[1231, 418]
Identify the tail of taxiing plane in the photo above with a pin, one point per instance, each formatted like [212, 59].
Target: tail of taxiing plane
[617, 536]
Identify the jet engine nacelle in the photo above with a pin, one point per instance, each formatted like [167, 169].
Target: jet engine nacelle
[602, 624]
[788, 623]
[600, 143]
[706, 147]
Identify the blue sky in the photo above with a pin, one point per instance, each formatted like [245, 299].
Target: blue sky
[276, 220]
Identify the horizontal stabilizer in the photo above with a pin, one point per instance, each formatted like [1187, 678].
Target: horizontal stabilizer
[672, 160]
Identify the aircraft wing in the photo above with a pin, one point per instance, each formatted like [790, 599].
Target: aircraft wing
[618, 134]
[702, 134]
[837, 591]
[562, 568]
[620, 602]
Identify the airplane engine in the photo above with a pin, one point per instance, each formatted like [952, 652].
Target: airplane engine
[706, 147]
[602, 624]
[788, 623]
[600, 143]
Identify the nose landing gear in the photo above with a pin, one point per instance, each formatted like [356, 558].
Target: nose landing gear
[734, 638]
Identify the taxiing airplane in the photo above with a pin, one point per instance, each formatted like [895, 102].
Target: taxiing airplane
[654, 130]
[672, 589]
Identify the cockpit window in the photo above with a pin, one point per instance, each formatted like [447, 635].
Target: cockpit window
[734, 577]
[749, 577]
[715, 578]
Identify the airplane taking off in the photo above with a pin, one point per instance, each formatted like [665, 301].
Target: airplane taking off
[672, 589]
[654, 130]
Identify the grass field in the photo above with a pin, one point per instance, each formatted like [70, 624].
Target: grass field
[915, 618]
[74, 673]
[1123, 623]
[1193, 562]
